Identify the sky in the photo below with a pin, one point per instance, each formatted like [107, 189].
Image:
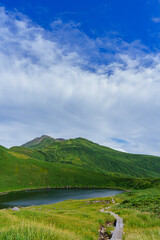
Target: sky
[81, 69]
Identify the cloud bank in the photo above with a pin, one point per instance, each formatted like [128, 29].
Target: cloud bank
[53, 84]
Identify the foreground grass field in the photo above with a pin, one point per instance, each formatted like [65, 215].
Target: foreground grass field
[78, 219]
[140, 211]
[81, 219]
[140, 225]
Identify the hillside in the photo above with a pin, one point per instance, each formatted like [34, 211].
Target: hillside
[49, 162]
[93, 157]
[20, 172]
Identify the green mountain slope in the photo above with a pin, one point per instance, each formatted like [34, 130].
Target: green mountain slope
[19, 171]
[93, 157]
[49, 162]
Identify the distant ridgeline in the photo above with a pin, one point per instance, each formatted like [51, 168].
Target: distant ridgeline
[49, 162]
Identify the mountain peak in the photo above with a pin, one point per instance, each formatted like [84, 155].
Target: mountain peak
[41, 141]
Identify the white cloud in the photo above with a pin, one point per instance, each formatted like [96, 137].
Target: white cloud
[46, 87]
[156, 19]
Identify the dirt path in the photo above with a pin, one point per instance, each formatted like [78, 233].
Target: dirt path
[117, 233]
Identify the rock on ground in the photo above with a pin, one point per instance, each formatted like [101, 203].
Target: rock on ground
[15, 209]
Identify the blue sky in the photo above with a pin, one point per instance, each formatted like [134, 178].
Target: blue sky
[81, 68]
[131, 20]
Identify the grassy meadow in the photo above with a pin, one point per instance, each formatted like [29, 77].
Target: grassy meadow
[140, 211]
[73, 219]
[81, 219]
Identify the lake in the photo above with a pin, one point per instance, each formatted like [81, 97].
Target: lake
[49, 196]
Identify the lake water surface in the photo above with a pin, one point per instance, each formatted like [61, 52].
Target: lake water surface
[49, 196]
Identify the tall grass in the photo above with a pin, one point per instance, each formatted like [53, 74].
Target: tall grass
[76, 220]
[81, 219]
[141, 213]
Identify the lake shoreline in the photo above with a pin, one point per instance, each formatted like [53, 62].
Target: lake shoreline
[66, 187]
[44, 196]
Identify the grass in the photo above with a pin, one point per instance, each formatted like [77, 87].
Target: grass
[140, 225]
[90, 156]
[81, 219]
[78, 220]
[141, 214]
[147, 200]
[21, 170]
[80, 163]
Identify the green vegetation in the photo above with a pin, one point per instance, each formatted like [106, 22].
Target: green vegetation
[48, 162]
[40, 142]
[141, 213]
[81, 219]
[93, 157]
[19, 172]
[73, 163]
[147, 200]
[78, 220]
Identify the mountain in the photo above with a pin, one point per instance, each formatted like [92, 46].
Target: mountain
[41, 142]
[49, 162]
[91, 156]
